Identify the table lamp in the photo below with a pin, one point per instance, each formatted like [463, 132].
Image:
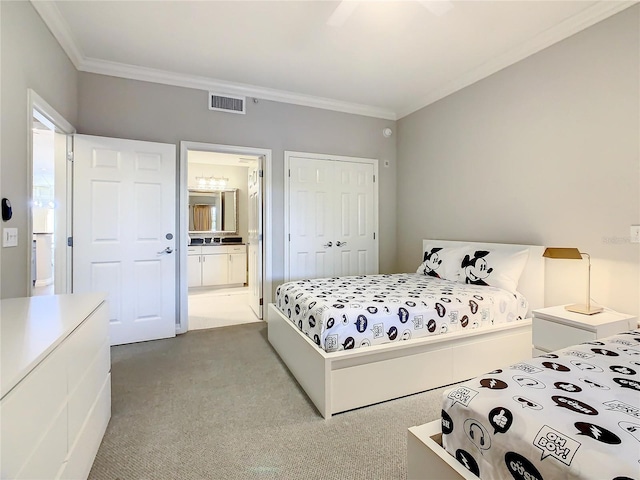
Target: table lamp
[575, 254]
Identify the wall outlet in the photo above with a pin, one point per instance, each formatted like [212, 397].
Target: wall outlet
[634, 233]
[9, 237]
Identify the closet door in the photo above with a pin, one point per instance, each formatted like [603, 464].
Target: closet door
[311, 207]
[332, 216]
[355, 250]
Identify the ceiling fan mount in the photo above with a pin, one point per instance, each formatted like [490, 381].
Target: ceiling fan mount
[346, 8]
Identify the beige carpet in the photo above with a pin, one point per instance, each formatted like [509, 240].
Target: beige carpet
[219, 404]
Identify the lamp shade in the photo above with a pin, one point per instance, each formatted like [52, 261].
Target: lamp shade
[563, 253]
[574, 254]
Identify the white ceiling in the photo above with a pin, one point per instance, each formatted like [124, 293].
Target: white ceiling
[388, 59]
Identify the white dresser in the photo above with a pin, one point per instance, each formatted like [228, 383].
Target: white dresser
[55, 385]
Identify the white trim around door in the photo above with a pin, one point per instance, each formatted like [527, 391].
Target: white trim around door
[64, 177]
[182, 323]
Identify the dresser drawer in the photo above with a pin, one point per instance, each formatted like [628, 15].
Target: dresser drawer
[27, 411]
[85, 343]
[84, 396]
[50, 453]
[549, 336]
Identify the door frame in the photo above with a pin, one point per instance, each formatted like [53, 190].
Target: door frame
[336, 158]
[60, 125]
[183, 227]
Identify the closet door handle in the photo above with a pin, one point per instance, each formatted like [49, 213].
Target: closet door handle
[340, 244]
[328, 244]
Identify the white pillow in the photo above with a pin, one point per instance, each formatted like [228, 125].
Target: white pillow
[441, 262]
[498, 268]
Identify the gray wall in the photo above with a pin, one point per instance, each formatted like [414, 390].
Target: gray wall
[543, 152]
[116, 107]
[31, 58]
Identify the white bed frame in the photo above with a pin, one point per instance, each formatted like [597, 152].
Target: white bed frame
[340, 381]
[426, 458]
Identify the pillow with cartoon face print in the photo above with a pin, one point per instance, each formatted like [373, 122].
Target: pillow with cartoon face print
[441, 262]
[497, 268]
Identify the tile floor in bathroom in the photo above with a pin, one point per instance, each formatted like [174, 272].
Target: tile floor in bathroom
[211, 308]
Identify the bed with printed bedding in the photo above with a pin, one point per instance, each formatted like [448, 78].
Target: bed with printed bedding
[360, 311]
[357, 340]
[571, 414]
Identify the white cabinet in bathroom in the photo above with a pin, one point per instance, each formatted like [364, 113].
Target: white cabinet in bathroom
[194, 270]
[216, 265]
[238, 267]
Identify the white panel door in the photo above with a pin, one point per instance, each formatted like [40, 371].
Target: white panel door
[332, 218]
[355, 252]
[311, 217]
[124, 233]
[254, 248]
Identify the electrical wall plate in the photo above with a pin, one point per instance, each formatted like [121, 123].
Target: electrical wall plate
[9, 237]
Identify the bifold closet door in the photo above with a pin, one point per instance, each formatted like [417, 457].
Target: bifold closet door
[354, 249]
[331, 219]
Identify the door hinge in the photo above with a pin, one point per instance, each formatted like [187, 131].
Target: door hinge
[374, 179]
[261, 173]
[69, 241]
[261, 301]
[374, 235]
[289, 237]
[70, 156]
[289, 173]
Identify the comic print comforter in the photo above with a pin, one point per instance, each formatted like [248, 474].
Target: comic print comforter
[571, 414]
[357, 311]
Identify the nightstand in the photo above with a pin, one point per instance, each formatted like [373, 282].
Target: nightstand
[555, 327]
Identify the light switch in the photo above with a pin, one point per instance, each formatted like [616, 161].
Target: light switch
[635, 233]
[9, 237]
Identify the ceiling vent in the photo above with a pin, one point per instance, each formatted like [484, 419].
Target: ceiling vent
[226, 103]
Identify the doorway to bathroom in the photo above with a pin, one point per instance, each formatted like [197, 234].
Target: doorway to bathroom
[49, 224]
[223, 261]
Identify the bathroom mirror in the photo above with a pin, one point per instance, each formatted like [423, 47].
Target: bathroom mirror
[213, 211]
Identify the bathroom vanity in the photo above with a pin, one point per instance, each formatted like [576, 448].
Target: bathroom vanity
[216, 265]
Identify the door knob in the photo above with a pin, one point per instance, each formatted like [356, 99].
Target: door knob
[340, 244]
[328, 244]
[166, 250]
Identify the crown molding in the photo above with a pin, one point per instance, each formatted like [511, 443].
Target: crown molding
[132, 72]
[59, 27]
[590, 16]
[56, 23]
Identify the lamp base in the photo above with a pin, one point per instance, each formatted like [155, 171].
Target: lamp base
[583, 309]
